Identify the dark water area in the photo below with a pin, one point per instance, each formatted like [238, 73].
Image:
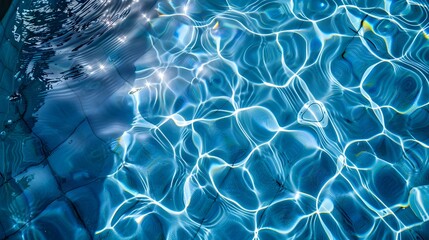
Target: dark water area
[4, 6]
[223, 119]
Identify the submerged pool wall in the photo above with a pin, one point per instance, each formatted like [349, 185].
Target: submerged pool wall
[31, 201]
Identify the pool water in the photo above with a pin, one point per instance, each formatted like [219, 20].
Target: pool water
[223, 119]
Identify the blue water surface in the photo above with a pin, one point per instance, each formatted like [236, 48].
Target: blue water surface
[214, 119]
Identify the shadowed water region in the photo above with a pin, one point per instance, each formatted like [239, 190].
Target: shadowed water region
[223, 119]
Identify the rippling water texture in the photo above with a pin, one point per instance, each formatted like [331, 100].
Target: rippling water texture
[214, 119]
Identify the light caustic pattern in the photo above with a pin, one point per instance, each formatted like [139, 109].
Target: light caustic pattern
[246, 119]
[271, 120]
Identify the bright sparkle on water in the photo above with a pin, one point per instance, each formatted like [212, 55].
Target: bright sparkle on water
[215, 120]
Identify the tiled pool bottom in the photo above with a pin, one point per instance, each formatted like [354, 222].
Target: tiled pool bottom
[214, 120]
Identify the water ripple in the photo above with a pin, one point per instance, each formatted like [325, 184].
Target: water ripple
[220, 120]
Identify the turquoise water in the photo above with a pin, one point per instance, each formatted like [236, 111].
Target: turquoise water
[220, 119]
